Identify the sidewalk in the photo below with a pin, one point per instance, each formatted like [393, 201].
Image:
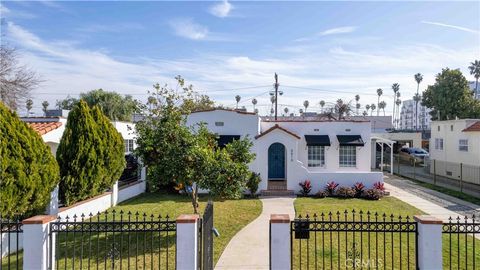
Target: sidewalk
[430, 201]
[249, 248]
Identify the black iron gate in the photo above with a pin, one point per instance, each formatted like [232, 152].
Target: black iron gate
[353, 240]
[113, 240]
[205, 235]
[459, 238]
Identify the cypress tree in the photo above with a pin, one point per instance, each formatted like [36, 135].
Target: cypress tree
[28, 170]
[88, 154]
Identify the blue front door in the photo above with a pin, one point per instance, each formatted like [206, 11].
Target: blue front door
[276, 161]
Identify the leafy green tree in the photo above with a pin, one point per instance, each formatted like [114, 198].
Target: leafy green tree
[90, 154]
[114, 105]
[45, 105]
[198, 103]
[237, 99]
[28, 170]
[187, 156]
[66, 104]
[450, 97]
[29, 106]
[305, 104]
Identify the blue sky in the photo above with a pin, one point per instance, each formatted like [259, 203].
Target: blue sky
[321, 50]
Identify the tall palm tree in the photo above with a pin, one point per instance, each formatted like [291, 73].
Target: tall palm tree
[300, 111]
[418, 78]
[382, 106]
[475, 71]
[368, 108]
[342, 109]
[254, 102]
[358, 106]
[417, 99]
[379, 93]
[286, 111]
[255, 111]
[29, 105]
[373, 107]
[322, 103]
[272, 111]
[357, 98]
[237, 99]
[396, 89]
[305, 104]
[398, 102]
[45, 105]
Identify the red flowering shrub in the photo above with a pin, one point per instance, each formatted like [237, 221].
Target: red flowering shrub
[330, 188]
[306, 187]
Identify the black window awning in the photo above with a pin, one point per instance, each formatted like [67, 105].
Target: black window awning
[223, 140]
[352, 140]
[317, 140]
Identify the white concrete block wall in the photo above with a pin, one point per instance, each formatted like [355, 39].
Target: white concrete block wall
[130, 191]
[280, 253]
[94, 205]
[9, 246]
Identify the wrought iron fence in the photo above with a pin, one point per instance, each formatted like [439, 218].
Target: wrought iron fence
[114, 240]
[206, 238]
[457, 176]
[353, 240]
[461, 238]
[11, 239]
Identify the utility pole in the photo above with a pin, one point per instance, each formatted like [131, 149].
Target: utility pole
[276, 95]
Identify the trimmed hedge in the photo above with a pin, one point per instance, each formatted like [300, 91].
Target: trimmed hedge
[90, 154]
[28, 170]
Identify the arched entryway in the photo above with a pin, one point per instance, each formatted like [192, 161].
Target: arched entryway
[276, 162]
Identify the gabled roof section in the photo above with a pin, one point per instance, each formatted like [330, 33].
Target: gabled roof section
[227, 110]
[474, 127]
[43, 128]
[276, 126]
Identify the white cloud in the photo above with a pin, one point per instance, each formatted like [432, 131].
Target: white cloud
[338, 30]
[452, 26]
[4, 10]
[187, 28]
[336, 73]
[222, 9]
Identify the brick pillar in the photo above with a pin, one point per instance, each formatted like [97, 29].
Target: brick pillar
[187, 242]
[37, 247]
[429, 242]
[280, 253]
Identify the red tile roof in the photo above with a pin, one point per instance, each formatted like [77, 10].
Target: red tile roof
[275, 127]
[474, 127]
[43, 128]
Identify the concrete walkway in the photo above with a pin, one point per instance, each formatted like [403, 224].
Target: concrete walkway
[248, 249]
[429, 201]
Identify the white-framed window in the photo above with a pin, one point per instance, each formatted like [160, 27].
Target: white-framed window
[316, 156]
[128, 146]
[348, 156]
[463, 145]
[438, 144]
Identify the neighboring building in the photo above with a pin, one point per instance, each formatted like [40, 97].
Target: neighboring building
[51, 129]
[379, 124]
[456, 142]
[409, 119]
[294, 149]
[472, 85]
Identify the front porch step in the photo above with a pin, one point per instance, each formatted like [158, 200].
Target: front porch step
[277, 193]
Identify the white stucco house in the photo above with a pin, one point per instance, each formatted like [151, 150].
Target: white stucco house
[290, 150]
[455, 142]
[51, 129]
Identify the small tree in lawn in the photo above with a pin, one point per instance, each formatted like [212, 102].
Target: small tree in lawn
[28, 170]
[90, 154]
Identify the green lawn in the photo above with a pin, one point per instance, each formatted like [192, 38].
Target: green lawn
[138, 249]
[335, 250]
